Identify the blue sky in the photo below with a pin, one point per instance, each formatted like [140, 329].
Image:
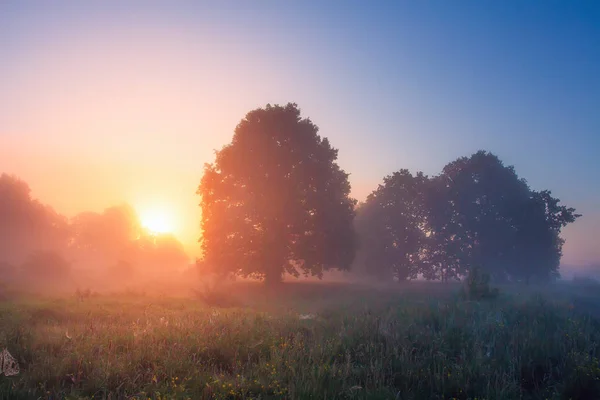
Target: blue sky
[392, 84]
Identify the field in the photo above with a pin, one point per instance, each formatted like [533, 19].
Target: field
[305, 341]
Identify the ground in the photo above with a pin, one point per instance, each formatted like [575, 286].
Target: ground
[305, 341]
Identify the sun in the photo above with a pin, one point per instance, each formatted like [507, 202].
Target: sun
[157, 221]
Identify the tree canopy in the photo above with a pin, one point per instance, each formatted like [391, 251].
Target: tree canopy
[476, 213]
[391, 224]
[276, 201]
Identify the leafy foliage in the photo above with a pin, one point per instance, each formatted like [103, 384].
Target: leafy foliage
[476, 213]
[275, 200]
[26, 224]
[392, 225]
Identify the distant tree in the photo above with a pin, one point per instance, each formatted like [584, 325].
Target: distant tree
[115, 240]
[105, 236]
[275, 200]
[392, 227]
[161, 255]
[26, 224]
[45, 266]
[169, 251]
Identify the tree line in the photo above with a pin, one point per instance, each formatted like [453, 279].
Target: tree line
[276, 202]
[39, 244]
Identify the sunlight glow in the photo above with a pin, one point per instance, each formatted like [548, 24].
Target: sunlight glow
[157, 220]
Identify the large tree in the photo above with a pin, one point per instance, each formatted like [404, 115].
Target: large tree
[276, 201]
[486, 216]
[477, 213]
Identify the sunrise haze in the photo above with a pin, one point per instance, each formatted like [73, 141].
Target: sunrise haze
[123, 102]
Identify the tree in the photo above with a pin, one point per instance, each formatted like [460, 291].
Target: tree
[115, 239]
[392, 226]
[105, 235]
[276, 201]
[160, 255]
[26, 224]
[476, 214]
[443, 250]
[538, 245]
[486, 216]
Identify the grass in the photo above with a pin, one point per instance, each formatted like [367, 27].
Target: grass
[307, 341]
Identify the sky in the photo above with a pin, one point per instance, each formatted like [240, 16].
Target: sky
[124, 101]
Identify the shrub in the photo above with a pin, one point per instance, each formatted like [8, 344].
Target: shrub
[478, 285]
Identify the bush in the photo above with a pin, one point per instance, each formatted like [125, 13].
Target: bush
[478, 285]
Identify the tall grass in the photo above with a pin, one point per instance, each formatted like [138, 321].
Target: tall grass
[356, 344]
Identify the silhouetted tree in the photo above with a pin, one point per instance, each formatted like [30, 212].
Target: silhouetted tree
[275, 200]
[115, 238]
[160, 255]
[26, 225]
[483, 214]
[538, 246]
[392, 227]
[105, 235]
[443, 250]
[476, 214]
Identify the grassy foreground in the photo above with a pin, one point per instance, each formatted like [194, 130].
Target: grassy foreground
[309, 341]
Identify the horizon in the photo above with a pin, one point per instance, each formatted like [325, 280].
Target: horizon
[117, 104]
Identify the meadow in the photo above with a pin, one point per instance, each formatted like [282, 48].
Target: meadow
[305, 341]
